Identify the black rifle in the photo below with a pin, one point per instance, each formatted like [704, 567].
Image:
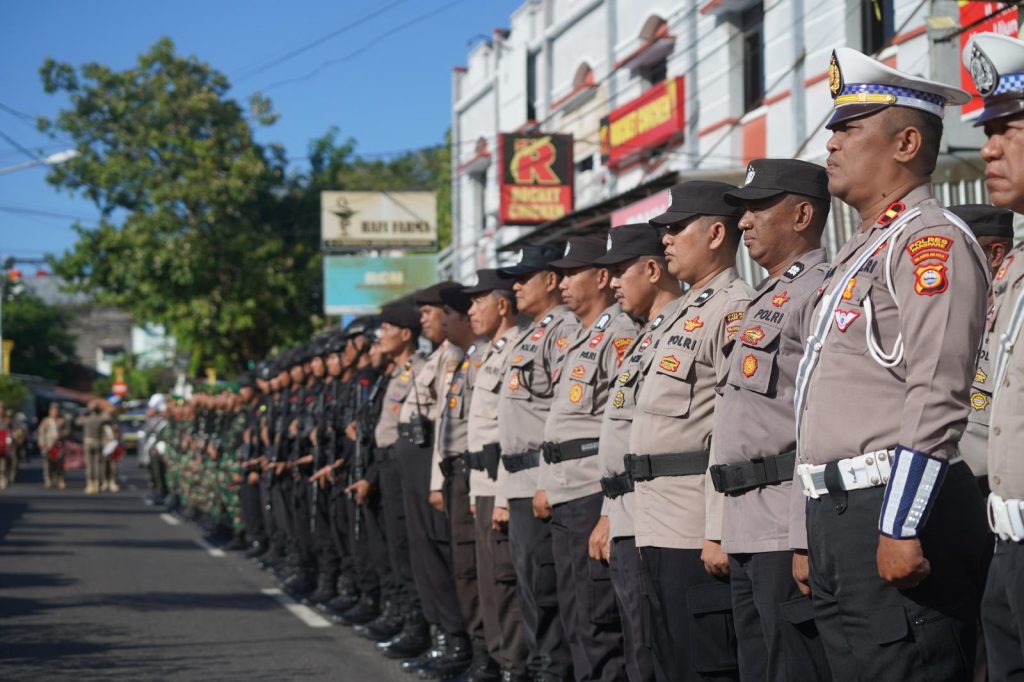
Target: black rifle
[318, 415]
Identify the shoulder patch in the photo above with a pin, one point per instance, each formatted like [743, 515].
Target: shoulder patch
[602, 322]
[547, 320]
[501, 343]
[471, 350]
[794, 270]
[735, 316]
[704, 295]
[657, 321]
[930, 247]
[621, 346]
[931, 279]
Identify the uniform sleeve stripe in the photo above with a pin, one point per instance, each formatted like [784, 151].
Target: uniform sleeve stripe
[911, 492]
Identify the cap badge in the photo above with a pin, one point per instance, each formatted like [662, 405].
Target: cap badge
[750, 175]
[608, 244]
[835, 76]
[568, 247]
[983, 71]
[519, 257]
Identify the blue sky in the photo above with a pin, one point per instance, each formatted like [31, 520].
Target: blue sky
[393, 95]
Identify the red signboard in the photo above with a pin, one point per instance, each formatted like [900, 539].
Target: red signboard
[536, 179]
[120, 389]
[1005, 23]
[643, 210]
[654, 118]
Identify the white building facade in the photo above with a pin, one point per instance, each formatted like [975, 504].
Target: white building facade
[715, 83]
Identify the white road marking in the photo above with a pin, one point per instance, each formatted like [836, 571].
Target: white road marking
[170, 520]
[210, 549]
[303, 613]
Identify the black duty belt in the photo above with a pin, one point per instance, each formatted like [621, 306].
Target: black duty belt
[616, 486]
[454, 466]
[521, 461]
[570, 449]
[647, 467]
[734, 479]
[385, 454]
[486, 460]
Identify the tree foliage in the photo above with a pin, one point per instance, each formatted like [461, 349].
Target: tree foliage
[13, 394]
[43, 346]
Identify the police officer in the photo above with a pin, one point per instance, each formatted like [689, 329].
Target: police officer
[993, 228]
[493, 316]
[569, 484]
[786, 204]
[526, 393]
[895, 522]
[685, 569]
[997, 65]
[647, 292]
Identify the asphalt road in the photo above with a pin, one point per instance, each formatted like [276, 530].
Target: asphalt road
[105, 588]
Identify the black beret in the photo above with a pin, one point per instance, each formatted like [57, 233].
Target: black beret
[404, 316]
[457, 299]
[985, 220]
[432, 294]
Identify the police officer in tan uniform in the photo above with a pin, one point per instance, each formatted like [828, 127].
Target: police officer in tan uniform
[527, 389]
[429, 536]
[493, 316]
[786, 204]
[647, 292]
[685, 570]
[895, 522]
[993, 228]
[997, 66]
[569, 485]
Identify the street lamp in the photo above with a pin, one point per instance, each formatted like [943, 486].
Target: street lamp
[51, 160]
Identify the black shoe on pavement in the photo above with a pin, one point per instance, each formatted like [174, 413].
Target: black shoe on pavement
[455, 659]
[256, 549]
[325, 590]
[364, 611]
[484, 668]
[237, 544]
[385, 626]
[424, 660]
[513, 676]
[412, 641]
[342, 603]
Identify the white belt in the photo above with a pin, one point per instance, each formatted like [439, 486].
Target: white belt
[1005, 518]
[864, 471]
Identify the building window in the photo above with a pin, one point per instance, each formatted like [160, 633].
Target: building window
[752, 29]
[655, 72]
[531, 87]
[877, 24]
[585, 164]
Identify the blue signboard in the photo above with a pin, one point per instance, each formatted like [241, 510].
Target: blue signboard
[358, 285]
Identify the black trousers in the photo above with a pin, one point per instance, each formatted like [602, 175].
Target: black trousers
[429, 541]
[301, 528]
[1002, 612]
[275, 536]
[496, 581]
[395, 531]
[775, 631]
[328, 553]
[537, 587]
[463, 548]
[691, 623]
[252, 512]
[281, 508]
[369, 565]
[627, 580]
[586, 598]
[870, 629]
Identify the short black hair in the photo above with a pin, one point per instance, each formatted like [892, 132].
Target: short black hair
[930, 127]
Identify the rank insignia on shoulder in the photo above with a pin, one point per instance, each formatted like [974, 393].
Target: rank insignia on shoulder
[794, 270]
[578, 372]
[661, 318]
[669, 363]
[781, 300]
[931, 279]
[596, 341]
[693, 323]
[547, 320]
[501, 343]
[1003, 268]
[576, 393]
[980, 401]
[619, 399]
[749, 366]
[844, 318]
[980, 376]
[621, 346]
[704, 295]
[753, 336]
[602, 321]
[890, 214]
[471, 350]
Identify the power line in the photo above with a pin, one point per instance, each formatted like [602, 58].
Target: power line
[249, 72]
[372, 43]
[30, 154]
[40, 212]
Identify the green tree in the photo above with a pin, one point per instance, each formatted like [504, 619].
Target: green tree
[188, 236]
[42, 344]
[12, 394]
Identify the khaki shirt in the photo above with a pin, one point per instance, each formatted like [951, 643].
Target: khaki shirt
[1005, 463]
[588, 369]
[853, 405]
[483, 414]
[453, 424]
[755, 417]
[399, 386]
[675, 409]
[527, 389]
[618, 418]
[974, 443]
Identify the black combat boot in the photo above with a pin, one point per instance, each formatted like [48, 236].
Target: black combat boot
[325, 590]
[237, 543]
[484, 668]
[383, 627]
[414, 665]
[256, 549]
[365, 610]
[454, 660]
[412, 641]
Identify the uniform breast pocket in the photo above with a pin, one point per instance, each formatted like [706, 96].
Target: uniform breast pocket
[622, 397]
[668, 388]
[579, 389]
[487, 382]
[849, 322]
[519, 379]
[753, 358]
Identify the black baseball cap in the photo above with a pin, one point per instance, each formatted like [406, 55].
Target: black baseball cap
[627, 242]
[404, 316]
[533, 258]
[432, 294]
[985, 220]
[697, 198]
[767, 178]
[490, 279]
[457, 299]
[581, 252]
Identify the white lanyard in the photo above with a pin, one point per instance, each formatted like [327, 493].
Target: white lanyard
[1006, 343]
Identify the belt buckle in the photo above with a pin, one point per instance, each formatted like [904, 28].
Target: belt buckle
[999, 517]
[804, 472]
[639, 467]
